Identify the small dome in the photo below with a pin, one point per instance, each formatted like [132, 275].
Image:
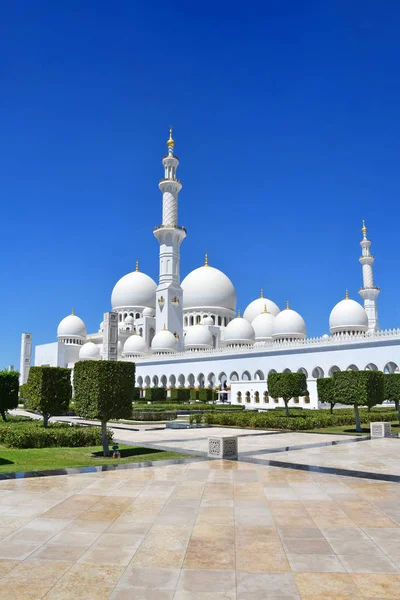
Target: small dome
[348, 316]
[148, 312]
[89, 351]
[263, 326]
[134, 290]
[239, 331]
[326, 336]
[207, 321]
[198, 336]
[71, 326]
[257, 307]
[289, 325]
[129, 320]
[135, 346]
[102, 326]
[207, 287]
[164, 341]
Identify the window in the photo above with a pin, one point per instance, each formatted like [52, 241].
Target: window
[247, 397]
[266, 398]
[219, 321]
[257, 397]
[137, 316]
[239, 397]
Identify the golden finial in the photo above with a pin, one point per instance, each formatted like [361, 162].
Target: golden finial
[239, 315]
[363, 229]
[262, 293]
[347, 295]
[73, 311]
[265, 309]
[287, 305]
[164, 328]
[170, 142]
[206, 260]
[137, 266]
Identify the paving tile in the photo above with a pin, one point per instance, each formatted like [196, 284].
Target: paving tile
[378, 586]
[306, 546]
[108, 556]
[63, 591]
[315, 563]
[136, 594]
[197, 580]
[325, 584]
[92, 575]
[7, 565]
[209, 554]
[20, 591]
[38, 572]
[151, 579]
[16, 550]
[367, 563]
[265, 583]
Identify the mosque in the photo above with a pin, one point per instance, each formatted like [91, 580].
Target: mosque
[187, 334]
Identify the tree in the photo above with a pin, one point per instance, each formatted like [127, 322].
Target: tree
[48, 391]
[326, 391]
[104, 390]
[359, 388]
[392, 389]
[9, 384]
[287, 386]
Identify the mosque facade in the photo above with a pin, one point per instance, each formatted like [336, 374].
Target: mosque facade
[188, 334]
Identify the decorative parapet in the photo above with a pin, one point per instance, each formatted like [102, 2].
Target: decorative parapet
[316, 342]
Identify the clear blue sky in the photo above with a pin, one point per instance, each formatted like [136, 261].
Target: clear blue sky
[286, 121]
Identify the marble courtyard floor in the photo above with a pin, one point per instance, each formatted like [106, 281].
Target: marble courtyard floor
[202, 530]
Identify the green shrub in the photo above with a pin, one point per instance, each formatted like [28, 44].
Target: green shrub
[196, 418]
[205, 395]
[34, 435]
[9, 384]
[155, 394]
[392, 389]
[104, 390]
[49, 391]
[359, 388]
[326, 391]
[186, 408]
[180, 394]
[154, 416]
[194, 394]
[287, 386]
[136, 393]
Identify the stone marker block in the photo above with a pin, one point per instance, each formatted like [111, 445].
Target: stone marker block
[223, 446]
[380, 429]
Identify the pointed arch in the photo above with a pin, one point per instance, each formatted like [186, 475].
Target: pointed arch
[234, 376]
[317, 373]
[391, 367]
[172, 381]
[352, 368]
[181, 380]
[246, 376]
[259, 375]
[371, 367]
[333, 370]
[303, 370]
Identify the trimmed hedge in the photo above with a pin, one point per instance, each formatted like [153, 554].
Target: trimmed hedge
[180, 394]
[287, 386]
[34, 435]
[136, 393]
[392, 389]
[104, 390]
[300, 422]
[154, 416]
[49, 391]
[155, 394]
[193, 407]
[9, 384]
[194, 394]
[359, 388]
[326, 391]
[207, 395]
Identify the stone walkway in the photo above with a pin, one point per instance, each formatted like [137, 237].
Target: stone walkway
[209, 530]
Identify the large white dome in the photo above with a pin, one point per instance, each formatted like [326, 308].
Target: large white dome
[239, 331]
[135, 345]
[289, 325]
[198, 336]
[71, 326]
[263, 326]
[89, 351]
[348, 315]
[207, 287]
[164, 341]
[256, 307]
[134, 290]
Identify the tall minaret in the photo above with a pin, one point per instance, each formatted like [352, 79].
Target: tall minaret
[369, 291]
[169, 311]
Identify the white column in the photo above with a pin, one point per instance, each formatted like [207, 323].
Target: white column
[369, 292]
[26, 357]
[110, 336]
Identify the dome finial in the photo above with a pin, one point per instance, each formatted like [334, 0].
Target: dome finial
[364, 229]
[164, 328]
[262, 293]
[239, 315]
[73, 311]
[206, 260]
[265, 309]
[287, 305]
[347, 295]
[137, 266]
[170, 141]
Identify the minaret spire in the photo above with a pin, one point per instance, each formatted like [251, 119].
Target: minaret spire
[170, 236]
[369, 291]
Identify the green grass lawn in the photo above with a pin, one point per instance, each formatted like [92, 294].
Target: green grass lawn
[44, 459]
[350, 429]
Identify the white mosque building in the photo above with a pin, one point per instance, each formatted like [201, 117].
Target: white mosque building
[187, 334]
